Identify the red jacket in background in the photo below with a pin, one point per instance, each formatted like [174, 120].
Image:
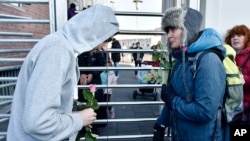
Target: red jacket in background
[240, 59]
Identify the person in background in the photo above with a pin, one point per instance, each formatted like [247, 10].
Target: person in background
[239, 38]
[94, 58]
[191, 104]
[124, 55]
[138, 56]
[104, 53]
[71, 11]
[116, 56]
[47, 83]
[109, 78]
[131, 54]
[84, 8]
[148, 46]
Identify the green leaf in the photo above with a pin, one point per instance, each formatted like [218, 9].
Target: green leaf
[156, 55]
[82, 106]
[88, 96]
[165, 64]
[89, 137]
[95, 105]
[88, 128]
[78, 137]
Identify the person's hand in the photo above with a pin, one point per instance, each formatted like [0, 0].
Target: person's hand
[89, 78]
[83, 79]
[88, 116]
[167, 94]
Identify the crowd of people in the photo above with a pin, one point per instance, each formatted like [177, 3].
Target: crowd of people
[43, 99]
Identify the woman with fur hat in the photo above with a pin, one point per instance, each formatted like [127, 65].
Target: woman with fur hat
[191, 104]
[239, 38]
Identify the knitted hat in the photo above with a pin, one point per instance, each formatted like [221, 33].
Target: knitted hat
[186, 18]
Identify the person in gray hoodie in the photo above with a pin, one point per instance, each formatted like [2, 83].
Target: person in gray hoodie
[47, 82]
[192, 103]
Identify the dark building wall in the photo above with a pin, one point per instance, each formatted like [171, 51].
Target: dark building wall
[38, 31]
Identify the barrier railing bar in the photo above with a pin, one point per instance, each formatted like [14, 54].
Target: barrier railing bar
[13, 16]
[136, 50]
[99, 86]
[15, 34]
[8, 78]
[113, 103]
[8, 68]
[3, 119]
[120, 68]
[7, 85]
[14, 50]
[123, 136]
[25, 1]
[6, 97]
[123, 86]
[11, 59]
[108, 137]
[132, 103]
[141, 32]
[5, 102]
[124, 120]
[105, 120]
[108, 50]
[19, 40]
[150, 14]
[25, 21]
[91, 68]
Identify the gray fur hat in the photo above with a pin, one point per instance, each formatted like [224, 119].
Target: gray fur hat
[188, 19]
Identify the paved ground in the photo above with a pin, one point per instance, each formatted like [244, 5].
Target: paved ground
[130, 111]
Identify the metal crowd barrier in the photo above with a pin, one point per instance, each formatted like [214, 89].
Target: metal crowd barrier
[10, 80]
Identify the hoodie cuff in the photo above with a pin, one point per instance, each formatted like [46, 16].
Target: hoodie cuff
[78, 121]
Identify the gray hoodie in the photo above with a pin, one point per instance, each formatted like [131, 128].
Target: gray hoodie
[43, 98]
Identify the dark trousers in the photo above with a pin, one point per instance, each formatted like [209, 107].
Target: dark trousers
[107, 98]
[137, 63]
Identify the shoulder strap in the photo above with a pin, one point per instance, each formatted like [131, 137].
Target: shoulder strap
[198, 56]
[210, 50]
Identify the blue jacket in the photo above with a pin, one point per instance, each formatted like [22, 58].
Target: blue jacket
[195, 120]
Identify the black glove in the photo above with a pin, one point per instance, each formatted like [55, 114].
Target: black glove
[167, 94]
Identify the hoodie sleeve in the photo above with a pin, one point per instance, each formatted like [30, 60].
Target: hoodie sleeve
[209, 87]
[47, 114]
